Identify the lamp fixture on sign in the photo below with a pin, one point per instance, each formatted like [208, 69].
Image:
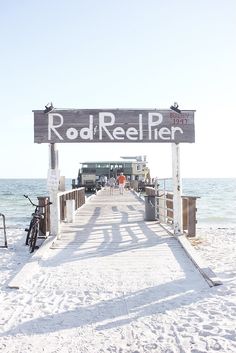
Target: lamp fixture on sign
[48, 108]
[175, 108]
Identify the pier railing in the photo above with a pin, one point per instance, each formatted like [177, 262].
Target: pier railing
[163, 205]
[44, 225]
[78, 195]
[3, 228]
[164, 209]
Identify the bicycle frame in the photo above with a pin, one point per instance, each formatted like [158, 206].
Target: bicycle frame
[33, 230]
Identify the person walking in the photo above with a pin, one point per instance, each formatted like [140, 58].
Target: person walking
[112, 183]
[121, 181]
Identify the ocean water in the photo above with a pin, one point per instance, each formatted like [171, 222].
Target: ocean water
[15, 207]
[216, 205]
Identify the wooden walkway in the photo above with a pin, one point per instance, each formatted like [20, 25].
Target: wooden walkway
[110, 231]
[109, 236]
[111, 283]
[111, 223]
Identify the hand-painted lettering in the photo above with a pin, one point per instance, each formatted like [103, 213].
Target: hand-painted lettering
[112, 126]
[52, 126]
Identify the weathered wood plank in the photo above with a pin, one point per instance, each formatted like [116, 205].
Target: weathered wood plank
[113, 125]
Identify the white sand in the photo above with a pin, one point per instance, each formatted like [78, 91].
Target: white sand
[96, 306]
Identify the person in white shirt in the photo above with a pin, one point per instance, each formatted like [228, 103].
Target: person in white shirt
[112, 183]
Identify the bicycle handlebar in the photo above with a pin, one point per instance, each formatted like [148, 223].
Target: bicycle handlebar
[33, 204]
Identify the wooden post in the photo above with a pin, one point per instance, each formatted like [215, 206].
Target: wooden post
[185, 210]
[192, 216]
[44, 223]
[53, 184]
[156, 201]
[177, 189]
[189, 215]
[4, 230]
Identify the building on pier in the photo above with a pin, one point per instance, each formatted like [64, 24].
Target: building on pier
[92, 175]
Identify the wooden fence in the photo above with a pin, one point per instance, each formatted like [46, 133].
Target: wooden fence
[76, 194]
[189, 210]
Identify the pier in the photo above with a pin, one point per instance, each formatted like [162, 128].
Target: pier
[110, 278]
[110, 238]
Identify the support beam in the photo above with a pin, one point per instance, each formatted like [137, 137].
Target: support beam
[177, 189]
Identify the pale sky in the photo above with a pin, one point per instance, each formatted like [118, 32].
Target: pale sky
[118, 54]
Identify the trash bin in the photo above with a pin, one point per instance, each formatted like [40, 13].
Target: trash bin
[150, 208]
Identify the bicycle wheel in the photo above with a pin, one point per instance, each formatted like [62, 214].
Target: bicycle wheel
[28, 230]
[33, 236]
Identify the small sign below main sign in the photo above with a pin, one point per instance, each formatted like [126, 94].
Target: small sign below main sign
[113, 125]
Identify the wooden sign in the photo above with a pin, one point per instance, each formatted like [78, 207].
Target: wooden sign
[113, 125]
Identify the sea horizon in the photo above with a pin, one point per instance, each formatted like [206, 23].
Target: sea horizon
[185, 177]
[216, 205]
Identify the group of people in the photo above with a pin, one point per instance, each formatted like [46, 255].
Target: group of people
[121, 180]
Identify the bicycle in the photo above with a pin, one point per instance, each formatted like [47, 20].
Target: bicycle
[33, 230]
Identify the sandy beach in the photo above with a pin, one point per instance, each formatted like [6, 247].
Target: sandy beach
[54, 314]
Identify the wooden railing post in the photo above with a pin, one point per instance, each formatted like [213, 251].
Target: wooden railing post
[169, 206]
[45, 222]
[189, 215]
[76, 194]
[192, 217]
[185, 213]
[189, 210]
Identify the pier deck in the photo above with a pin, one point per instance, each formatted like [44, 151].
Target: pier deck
[111, 283]
[111, 248]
